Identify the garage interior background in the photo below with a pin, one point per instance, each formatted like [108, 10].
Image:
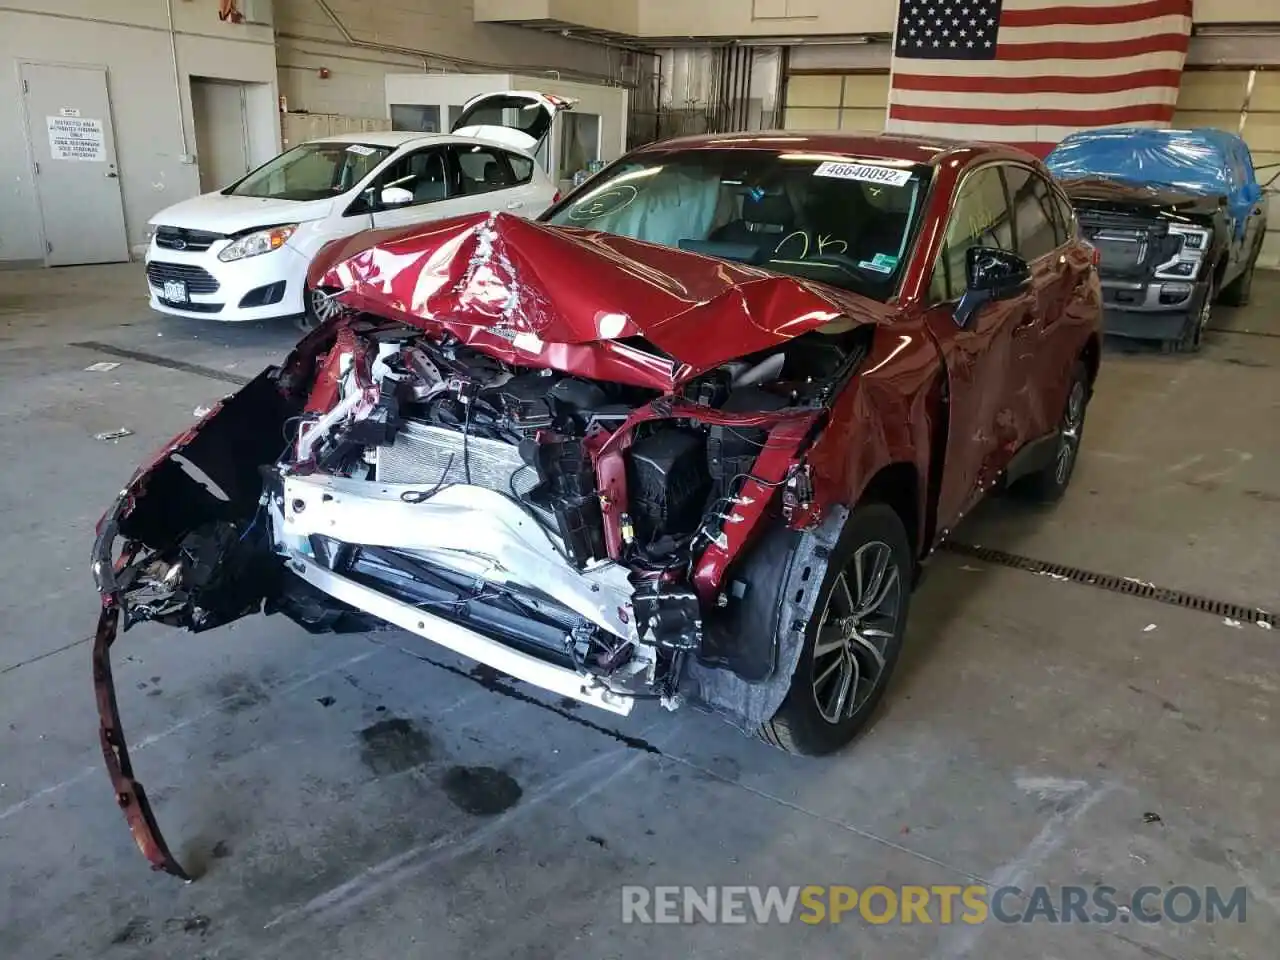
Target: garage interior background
[181, 82]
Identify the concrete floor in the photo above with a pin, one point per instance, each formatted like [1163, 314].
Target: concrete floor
[321, 785]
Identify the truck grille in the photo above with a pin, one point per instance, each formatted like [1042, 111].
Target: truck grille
[1122, 251]
[431, 455]
[1129, 247]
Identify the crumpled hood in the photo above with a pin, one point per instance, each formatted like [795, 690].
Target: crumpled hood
[534, 284]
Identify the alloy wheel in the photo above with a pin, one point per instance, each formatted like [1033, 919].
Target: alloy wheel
[324, 305]
[861, 617]
[1069, 436]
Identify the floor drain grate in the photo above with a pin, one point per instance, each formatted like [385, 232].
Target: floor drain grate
[1125, 585]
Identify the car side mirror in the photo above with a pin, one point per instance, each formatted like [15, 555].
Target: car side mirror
[992, 274]
[396, 197]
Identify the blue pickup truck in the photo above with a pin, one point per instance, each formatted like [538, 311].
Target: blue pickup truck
[1178, 218]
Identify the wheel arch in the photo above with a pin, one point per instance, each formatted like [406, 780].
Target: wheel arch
[1091, 355]
[898, 486]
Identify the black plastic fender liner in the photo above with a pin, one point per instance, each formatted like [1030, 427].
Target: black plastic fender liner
[795, 591]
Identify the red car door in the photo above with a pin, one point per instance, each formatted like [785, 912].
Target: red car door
[1040, 375]
[980, 357]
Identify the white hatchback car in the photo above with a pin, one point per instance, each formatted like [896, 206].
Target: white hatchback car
[242, 253]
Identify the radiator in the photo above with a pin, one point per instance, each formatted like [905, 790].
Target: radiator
[421, 454]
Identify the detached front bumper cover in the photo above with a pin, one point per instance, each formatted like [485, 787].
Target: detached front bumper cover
[130, 795]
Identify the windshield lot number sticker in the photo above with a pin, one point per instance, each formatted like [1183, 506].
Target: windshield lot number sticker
[863, 172]
[361, 150]
[880, 263]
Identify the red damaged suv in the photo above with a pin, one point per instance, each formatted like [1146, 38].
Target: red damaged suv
[686, 438]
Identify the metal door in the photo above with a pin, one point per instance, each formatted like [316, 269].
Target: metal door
[218, 111]
[73, 153]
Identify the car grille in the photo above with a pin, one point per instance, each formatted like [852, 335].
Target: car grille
[197, 279]
[431, 455]
[179, 238]
[192, 307]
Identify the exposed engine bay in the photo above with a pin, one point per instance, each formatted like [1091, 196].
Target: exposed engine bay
[571, 532]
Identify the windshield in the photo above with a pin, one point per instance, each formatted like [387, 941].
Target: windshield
[842, 221]
[312, 171]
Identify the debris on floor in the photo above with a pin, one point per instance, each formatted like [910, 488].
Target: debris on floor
[1148, 628]
[103, 367]
[114, 434]
[1152, 817]
[201, 411]
[1227, 621]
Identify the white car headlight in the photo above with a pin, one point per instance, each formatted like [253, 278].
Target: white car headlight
[259, 242]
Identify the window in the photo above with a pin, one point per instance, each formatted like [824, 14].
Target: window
[1066, 219]
[579, 142]
[1032, 200]
[521, 168]
[312, 171]
[421, 174]
[847, 223]
[483, 169]
[979, 218]
[423, 118]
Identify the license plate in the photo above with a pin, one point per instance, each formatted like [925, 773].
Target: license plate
[175, 291]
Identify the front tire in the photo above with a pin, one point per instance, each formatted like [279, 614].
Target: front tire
[318, 306]
[1193, 337]
[852, 646]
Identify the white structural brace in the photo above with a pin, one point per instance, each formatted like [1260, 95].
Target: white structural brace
[460, 639]
[467, 529]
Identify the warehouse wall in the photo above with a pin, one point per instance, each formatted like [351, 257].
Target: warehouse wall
[756, 18]
[1245, 102]
[308, 40]
[130, 39]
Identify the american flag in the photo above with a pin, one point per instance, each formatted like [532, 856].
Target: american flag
[1029, 72]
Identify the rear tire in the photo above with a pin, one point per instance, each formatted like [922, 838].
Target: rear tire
[853, 644]
[1050, 482]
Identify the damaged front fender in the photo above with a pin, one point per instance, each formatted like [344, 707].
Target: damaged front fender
[179, 517]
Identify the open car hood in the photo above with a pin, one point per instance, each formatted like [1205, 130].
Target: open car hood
[531, 292]
[1119, 195]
